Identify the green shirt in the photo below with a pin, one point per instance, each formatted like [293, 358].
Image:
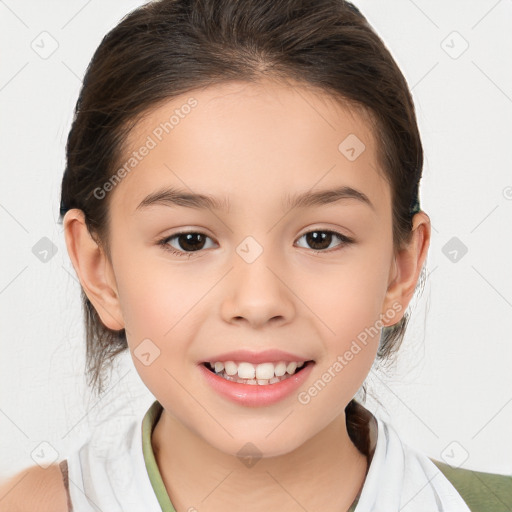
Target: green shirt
[483, 492]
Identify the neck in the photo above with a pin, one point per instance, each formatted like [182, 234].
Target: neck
[325, 473]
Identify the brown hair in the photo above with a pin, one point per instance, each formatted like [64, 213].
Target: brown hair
[169, 47]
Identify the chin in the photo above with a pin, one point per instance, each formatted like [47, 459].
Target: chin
[257, 445]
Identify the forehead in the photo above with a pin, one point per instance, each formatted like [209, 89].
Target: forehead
[236, 138]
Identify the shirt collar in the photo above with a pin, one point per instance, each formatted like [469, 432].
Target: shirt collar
[148, 424]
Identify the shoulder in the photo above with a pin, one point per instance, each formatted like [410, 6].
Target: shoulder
[478, 489]
[35, 488]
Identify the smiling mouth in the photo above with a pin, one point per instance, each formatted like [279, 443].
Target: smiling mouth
[261, 374]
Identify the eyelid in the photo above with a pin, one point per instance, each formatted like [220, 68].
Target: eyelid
[345, 241]
[164, 242]
[335, 230]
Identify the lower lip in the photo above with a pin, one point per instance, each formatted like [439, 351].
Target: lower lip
[254, 395]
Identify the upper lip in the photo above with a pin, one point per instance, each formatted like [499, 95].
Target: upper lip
[257, 357]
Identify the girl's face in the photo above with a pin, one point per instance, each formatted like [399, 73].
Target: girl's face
[265, 275]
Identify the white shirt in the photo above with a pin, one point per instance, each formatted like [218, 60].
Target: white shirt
[108, 474]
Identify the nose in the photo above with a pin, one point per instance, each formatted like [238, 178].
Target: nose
[257, 292]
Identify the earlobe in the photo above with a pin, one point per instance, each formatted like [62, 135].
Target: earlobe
[93, 269]
[407, 265]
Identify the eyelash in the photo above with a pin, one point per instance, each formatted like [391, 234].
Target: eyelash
[164, 242]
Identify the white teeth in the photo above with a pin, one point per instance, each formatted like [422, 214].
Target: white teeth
[265, 371]
[246, 371]
[291, 368]
[261, 374]
[280, 369]
[230, 367]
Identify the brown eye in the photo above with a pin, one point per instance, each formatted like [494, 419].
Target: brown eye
[191, 241]
[320, 240]
[183, 244]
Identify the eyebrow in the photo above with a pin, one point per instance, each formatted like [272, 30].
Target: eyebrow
[323, 197]
[178, 197]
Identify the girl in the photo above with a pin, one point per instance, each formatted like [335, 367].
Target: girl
[240, 204]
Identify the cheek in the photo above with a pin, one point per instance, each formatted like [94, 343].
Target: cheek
[156, 298]
[348, 302]
[348, 298]
[350, 334]
[154, 309]
[161, 307]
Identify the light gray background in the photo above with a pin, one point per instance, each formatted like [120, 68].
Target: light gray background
[450, 394]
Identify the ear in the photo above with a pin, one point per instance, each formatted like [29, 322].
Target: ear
[93, 268]
[405, 270]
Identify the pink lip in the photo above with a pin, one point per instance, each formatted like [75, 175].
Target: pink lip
[256, 395]
[267, 356]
